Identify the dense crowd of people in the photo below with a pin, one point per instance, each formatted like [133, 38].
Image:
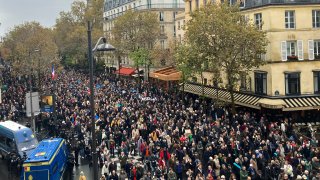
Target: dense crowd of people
[175, 135]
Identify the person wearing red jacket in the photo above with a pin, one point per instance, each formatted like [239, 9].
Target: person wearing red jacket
[164, 154]
[134, 173]
[162, 164]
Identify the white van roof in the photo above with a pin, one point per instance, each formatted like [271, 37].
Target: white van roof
[12, 125]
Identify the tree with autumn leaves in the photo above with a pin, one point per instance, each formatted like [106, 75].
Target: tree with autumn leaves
[30, 48]
[133, 31]
[71, 31]
[135, 34]
[221, 40]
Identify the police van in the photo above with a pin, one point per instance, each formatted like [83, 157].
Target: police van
[47, 162]
[16, 138]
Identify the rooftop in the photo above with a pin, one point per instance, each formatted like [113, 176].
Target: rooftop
[248, 4]
[45, 150]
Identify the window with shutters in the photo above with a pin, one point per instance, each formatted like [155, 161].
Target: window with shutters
[290, 19]
[316, 18]
[292, 50]
[258, 20]
[316, 49]
[292, 83]
[190, 6]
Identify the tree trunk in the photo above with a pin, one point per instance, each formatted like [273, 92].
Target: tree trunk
[233, 107]
[39, 80]
[202, 85]
[230, 88]
[119, 66]
[217, 92]
[139, 80]
[148, 71]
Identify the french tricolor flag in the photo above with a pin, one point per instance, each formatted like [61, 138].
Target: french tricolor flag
[52, 72]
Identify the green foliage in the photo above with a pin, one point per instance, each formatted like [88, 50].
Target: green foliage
[139, 56]
[185, 62]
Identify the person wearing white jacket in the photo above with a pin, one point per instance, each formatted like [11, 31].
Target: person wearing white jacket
[287, 168]
[104, 170]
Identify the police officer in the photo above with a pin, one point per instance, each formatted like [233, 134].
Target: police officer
[70, 165]
[13, 164]
[76, 153]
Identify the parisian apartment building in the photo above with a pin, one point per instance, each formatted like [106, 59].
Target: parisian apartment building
[290, 80]
[166, 10]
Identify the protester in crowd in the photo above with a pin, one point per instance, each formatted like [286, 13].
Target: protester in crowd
[175, 135]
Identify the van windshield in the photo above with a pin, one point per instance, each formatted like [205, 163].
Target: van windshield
[27, 145]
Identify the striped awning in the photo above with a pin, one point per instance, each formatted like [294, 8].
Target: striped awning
[242, 99]
[271, 103]
[301, 103]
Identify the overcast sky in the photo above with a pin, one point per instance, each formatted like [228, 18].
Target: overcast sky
[15, 12]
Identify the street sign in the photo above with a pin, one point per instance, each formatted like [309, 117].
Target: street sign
[46, 103]
[35, 104]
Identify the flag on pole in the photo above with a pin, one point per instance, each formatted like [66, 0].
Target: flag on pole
[52, 72]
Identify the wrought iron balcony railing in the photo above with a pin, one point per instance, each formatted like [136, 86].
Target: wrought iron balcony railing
[246, 4]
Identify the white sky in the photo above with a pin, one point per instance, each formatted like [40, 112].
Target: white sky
[15, 12]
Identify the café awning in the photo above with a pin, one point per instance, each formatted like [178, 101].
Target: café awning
[301, 103]
[167, 74]
[271, 103]
[125, 71]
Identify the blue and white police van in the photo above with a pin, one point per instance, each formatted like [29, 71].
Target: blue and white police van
[47, 162]
[16, 138]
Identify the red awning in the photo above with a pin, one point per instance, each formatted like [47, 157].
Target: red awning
[125, 71]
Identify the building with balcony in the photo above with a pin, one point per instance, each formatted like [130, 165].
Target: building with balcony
[180, 22]
[166, 10]
[290, 80]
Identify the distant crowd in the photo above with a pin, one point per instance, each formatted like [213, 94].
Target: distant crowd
[174, 135]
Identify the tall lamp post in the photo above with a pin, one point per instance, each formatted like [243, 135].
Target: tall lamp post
[101, 45]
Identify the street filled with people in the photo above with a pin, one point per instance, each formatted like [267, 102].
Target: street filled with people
[147, 132]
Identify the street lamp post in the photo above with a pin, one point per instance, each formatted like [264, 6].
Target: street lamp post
[98, 47]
